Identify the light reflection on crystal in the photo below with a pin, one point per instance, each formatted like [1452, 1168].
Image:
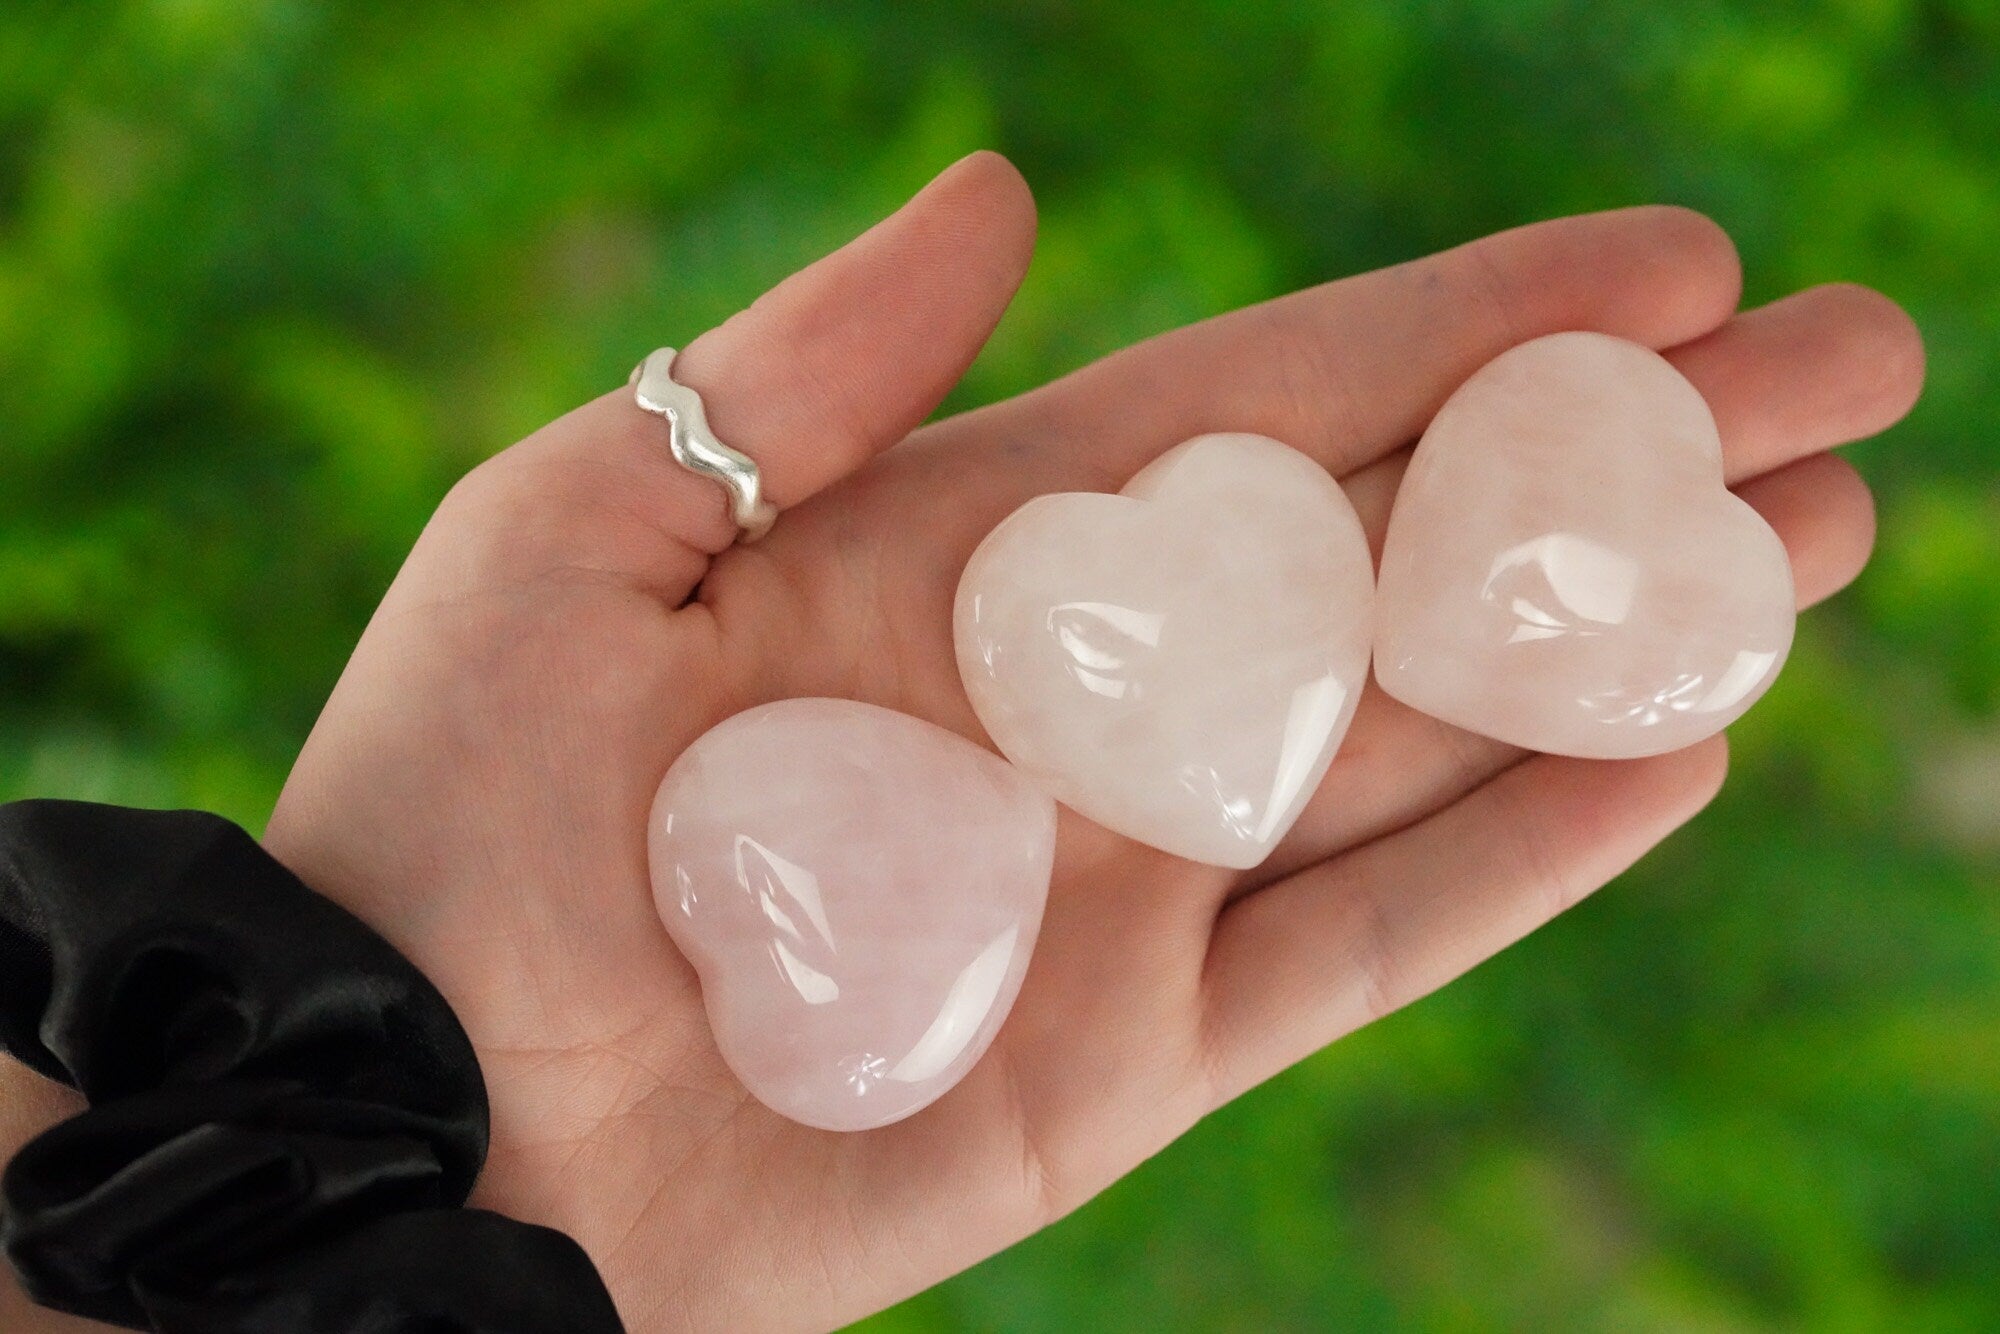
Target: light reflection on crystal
[1177, 662]
[850, 880]
[1564, 568]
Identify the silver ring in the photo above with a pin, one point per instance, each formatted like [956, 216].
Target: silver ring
[695, 447]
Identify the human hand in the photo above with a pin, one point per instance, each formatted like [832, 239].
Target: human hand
[478, 786]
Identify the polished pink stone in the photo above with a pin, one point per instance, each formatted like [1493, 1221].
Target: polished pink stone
[859, 891]
[1179, 661]
[1564, 569]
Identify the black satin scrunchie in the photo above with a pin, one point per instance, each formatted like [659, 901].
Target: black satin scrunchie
[285, 1114]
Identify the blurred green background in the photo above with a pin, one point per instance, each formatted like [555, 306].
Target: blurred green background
[273, 273]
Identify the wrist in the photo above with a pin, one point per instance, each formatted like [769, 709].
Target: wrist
[30, 1104]
[282, 1127]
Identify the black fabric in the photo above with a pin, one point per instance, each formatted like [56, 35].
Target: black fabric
[285, 1114]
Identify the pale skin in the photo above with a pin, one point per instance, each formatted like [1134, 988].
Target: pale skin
[574, 616]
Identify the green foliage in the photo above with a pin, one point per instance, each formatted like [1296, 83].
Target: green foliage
[273, 272]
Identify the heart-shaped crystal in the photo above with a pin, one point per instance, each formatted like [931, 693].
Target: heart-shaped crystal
[1179, 661]
[859, 891]
[1564, 568]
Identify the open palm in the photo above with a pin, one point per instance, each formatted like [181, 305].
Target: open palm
[478, 785]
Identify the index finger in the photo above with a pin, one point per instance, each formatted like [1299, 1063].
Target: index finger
[1348, 370]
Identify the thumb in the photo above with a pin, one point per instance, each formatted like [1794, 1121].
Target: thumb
[834, 364]
[849, 355]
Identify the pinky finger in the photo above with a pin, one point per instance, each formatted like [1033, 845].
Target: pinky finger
[1313, 957]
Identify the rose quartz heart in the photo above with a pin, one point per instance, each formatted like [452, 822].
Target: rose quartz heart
[859, 891]
[1564, 569]
[1179, 661]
